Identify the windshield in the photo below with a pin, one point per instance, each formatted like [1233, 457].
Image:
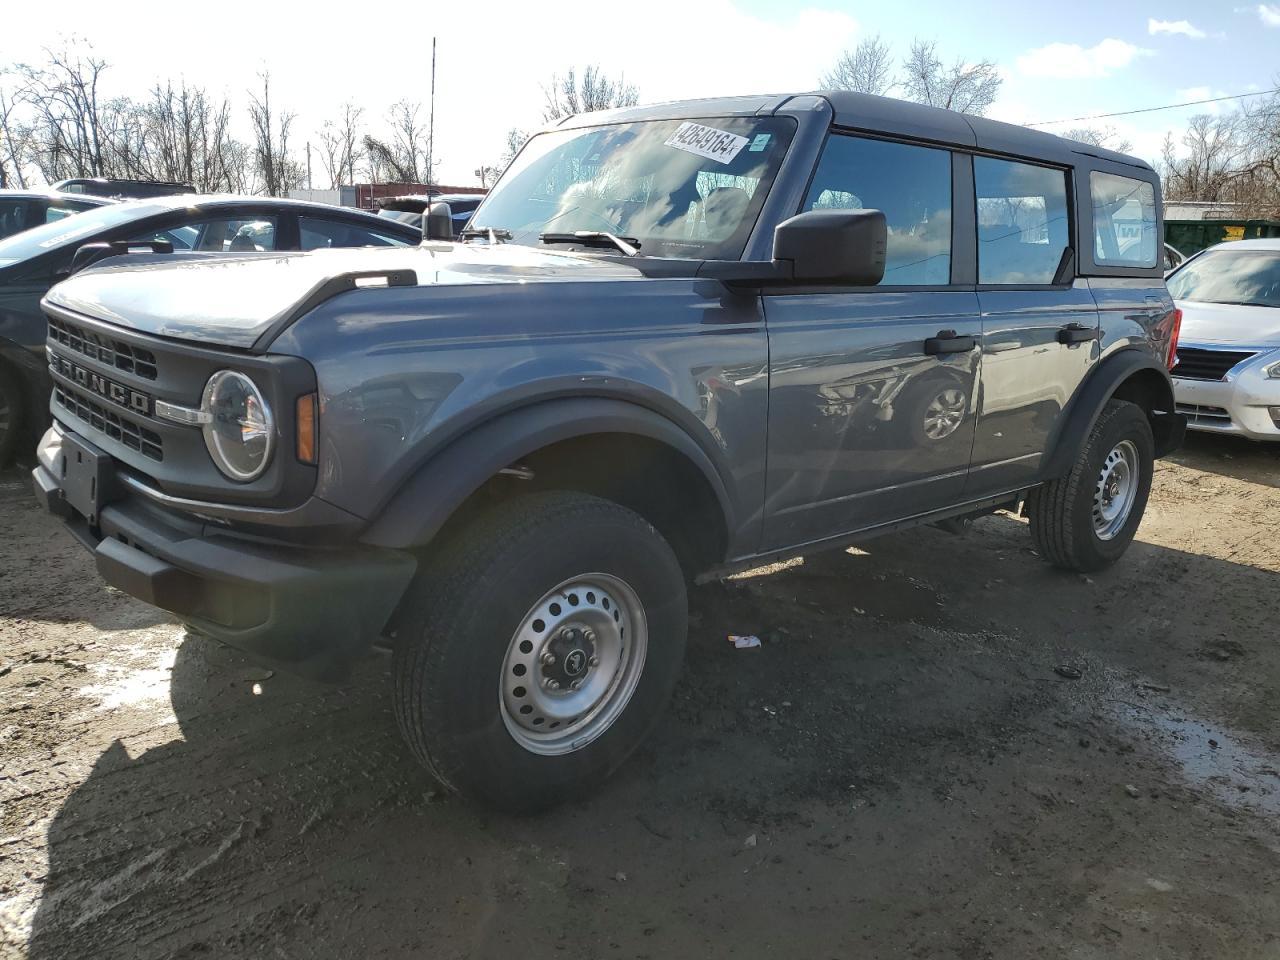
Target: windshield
[681, 188]
[50, 236]
[1230, 276]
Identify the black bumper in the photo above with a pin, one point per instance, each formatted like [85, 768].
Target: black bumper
[309, 610]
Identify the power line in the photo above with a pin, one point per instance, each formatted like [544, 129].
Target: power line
[1167, 106]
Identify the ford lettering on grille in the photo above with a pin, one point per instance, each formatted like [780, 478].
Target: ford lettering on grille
[102, 386]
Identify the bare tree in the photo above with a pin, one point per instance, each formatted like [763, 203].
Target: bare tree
[340, 146]
[10, 155]
[964, 87]
[1106, 137]
[66, 132]
[1212, 160]
[594, 90]
[277, 172]
[186, 137]
[868, 68]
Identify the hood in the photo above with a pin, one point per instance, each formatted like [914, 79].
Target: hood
[1228, 323]
[232, 300]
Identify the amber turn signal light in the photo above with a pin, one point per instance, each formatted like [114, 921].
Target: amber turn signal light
[308, 422]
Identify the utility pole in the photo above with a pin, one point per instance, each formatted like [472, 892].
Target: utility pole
[308, 164]
[431, 117]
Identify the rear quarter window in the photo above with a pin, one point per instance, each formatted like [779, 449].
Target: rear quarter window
[1124, 221]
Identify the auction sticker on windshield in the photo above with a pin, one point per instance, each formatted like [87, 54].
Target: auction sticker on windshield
[719, 145]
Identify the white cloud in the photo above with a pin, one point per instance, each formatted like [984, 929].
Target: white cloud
[1183, 27]
[1069, 61]
[1269, 14]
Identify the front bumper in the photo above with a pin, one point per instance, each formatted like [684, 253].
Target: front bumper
[309, 610]
[1245, 404]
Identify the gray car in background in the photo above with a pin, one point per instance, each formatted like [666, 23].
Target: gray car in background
[680, 341]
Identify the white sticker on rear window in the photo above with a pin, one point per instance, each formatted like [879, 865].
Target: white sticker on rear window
[718, 145]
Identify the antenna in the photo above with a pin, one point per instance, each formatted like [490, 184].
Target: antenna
[431, 117]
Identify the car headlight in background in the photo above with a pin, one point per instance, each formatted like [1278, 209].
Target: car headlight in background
[1272, 371]
[239, 431]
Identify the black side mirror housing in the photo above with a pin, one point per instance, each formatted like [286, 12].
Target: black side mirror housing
[844, 247]
[90, 253]
[437, 222]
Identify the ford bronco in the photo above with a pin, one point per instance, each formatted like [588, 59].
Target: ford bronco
[674, 342]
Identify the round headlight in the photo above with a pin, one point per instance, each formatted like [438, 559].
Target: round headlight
[240, 433]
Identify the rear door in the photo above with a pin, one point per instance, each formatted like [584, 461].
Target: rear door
[1039, 323]
[872, 390]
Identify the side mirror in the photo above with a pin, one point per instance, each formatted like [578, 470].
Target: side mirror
[437, 222]
[90, 253]
[844, 247]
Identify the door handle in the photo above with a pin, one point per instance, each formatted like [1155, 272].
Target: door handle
[1078, 333]
[948, 341]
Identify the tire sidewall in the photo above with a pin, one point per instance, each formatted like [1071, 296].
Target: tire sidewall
[1128, 422]
[471, 745]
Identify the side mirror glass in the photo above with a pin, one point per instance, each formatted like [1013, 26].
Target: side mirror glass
[437, 222]
[844, 247]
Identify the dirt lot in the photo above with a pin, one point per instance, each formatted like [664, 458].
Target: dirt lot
[898, 772]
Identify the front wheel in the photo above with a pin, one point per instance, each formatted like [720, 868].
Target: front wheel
[538, 649]
[1087, 519]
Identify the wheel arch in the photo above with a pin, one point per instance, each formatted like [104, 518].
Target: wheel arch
[1131, 374]
[549, 437]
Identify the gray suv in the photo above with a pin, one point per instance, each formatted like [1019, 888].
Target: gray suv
[677, 341]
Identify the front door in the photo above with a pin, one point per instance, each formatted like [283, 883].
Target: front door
[872, 391]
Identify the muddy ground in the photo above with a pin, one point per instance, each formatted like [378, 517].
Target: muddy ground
[898, 772]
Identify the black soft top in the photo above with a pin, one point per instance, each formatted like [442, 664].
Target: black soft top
[885, 115]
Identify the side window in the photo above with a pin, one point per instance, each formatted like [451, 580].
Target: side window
[224, 235]
[1124, 220]
[1023, 221]
[911, 185]
[317, 234]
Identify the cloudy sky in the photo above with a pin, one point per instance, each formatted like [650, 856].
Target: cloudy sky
[494, 57]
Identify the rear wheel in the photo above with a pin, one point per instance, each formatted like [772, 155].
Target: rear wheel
[1087, 519]
[538, 649]
[11, 418]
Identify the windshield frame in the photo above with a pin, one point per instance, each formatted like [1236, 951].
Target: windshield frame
[783, 127]
[1223, 252]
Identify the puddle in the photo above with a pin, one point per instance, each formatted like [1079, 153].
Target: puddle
[1235, 772]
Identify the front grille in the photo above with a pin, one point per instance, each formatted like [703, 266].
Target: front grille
[1197, 364]
[1199, 413]
[117, 427]
[105, 349]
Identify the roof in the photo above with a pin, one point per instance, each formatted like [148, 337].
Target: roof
[1261, 243]
[862, 111]
[177, 201]
[36, 194]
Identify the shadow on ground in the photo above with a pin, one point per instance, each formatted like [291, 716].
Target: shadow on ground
[897, 772]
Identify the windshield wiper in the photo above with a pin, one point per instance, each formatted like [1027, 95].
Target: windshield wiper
[627, 246]
[1245, 303]
[494, 235]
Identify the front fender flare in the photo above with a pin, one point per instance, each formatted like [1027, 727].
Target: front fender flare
[423, 504]
[1098, 388]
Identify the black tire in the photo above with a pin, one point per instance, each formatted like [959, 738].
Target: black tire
[1062, 511]
[11, 414]
[462, 616]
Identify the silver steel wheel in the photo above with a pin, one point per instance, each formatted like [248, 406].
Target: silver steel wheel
[1116, 490]
[944, 414]
[573, 664]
